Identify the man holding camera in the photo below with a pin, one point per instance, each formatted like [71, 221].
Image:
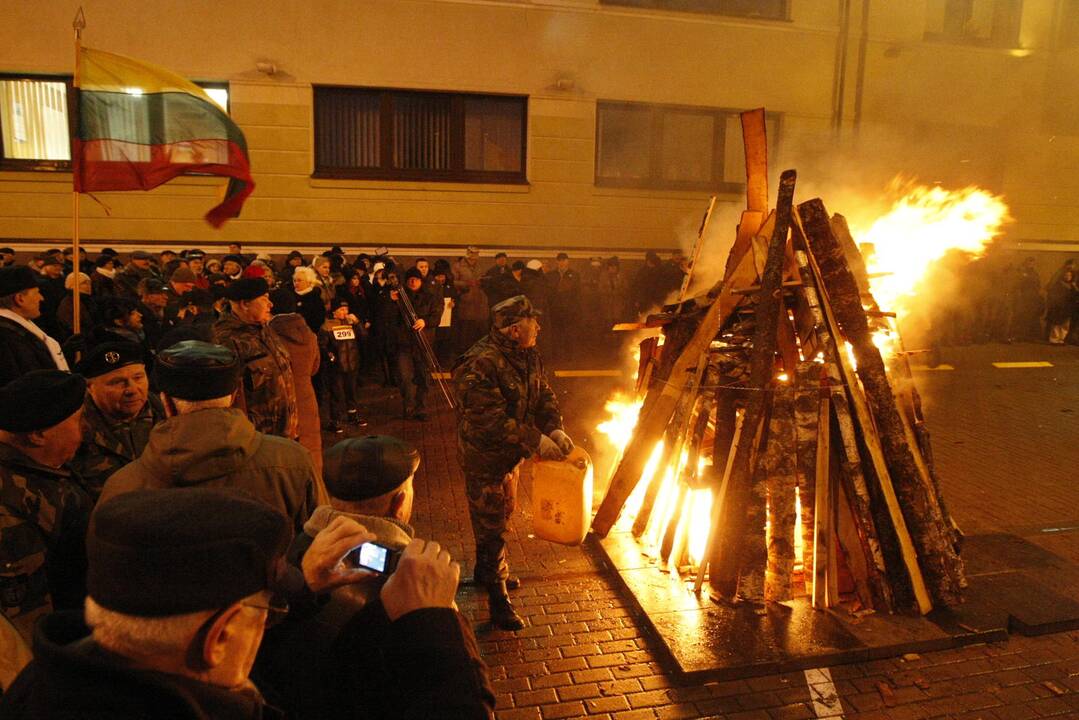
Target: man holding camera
[182, 584]
[508, 413]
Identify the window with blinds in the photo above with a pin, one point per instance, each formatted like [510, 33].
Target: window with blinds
[407, 135]
[34, 123]
[671, 147]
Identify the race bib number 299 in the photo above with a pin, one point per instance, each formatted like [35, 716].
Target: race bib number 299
[344, 332]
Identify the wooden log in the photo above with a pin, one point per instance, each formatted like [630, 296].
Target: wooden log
[851, 543]
[777, 475]
[823, 513]
[807, 394]
[697, 245]
[755, 142]
[719, 499]
[940, 564]
[855, 261]
[732, 529]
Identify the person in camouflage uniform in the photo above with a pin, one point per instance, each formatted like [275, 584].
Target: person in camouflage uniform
[507, 412]
[43, 510]
[118, 412]
[267, 393]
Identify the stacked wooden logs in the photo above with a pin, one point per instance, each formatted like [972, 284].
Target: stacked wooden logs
[775, 378]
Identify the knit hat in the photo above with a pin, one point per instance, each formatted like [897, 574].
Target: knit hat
[39, 400]
[156, 553]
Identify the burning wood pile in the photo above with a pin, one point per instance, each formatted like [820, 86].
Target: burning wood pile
[779, 451]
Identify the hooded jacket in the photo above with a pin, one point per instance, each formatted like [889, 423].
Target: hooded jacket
[219, 447]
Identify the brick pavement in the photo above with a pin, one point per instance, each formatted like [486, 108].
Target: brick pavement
[1006, 447]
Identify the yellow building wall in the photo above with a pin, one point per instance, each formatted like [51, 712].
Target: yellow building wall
[930, 95]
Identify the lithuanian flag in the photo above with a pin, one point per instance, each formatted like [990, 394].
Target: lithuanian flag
[141, 125]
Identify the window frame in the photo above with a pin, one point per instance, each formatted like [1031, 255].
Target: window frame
[457, 173]
[655, 180]
[699, 7]
[1012, 41]
[23, 165]
[19, 165]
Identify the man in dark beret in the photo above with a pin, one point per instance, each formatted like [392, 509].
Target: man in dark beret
[268, 393]
[507, 412]
[43, 509]
[24, 345]
[118, 413]
[207, 442]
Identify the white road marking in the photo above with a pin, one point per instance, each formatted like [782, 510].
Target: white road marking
[822, 692]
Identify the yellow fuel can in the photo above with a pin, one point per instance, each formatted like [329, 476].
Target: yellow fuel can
[562, 498]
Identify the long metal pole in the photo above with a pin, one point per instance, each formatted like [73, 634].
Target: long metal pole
[78, 24]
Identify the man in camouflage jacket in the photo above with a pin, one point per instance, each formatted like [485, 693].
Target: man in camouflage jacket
[118, 412]
[267, 392]
[43, 510]
[508, 413]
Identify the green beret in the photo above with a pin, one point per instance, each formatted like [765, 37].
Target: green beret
[39, 400]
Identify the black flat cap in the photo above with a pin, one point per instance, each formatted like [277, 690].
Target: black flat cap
[364, 468]
[413, 273]
[16, 278]
[39, 400]
[247, 288]
[156, 553]
[197, 370]
[7, 251]
[110, 356]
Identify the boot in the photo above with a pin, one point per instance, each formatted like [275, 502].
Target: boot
[503, 615]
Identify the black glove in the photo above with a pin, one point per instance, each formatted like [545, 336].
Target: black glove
[74, 345]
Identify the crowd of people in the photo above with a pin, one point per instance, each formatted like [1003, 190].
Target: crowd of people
[165, 498]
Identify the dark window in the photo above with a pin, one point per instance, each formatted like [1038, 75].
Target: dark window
[671, 147]
[36, 127]
[974, 22]
[766, 9]
[405, 135]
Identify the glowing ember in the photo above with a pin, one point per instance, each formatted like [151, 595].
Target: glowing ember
[920, 228]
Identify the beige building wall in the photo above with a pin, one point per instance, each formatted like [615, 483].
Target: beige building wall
[929, 109]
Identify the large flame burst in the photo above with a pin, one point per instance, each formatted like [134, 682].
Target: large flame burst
[919, 229]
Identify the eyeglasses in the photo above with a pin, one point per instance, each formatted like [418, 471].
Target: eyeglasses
[276, 610]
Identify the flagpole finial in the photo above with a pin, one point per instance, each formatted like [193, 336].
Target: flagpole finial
[79, 22]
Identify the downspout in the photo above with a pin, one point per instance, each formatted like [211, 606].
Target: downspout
[840, 70]
[859, 85]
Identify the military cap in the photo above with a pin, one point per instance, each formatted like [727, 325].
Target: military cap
[110, 356]
[141, 255]
[156, 553]
[16, 279]
[238, 259]
[197, 370]
[247, 288]
[366, 467]
[183, 274]
[561, 256]
[39, 400]
[515, 309]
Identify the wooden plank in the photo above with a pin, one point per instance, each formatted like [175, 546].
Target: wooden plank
[823, 511]
[807, 397]
[777, 468]
[719, 500]
[697, 245]
[849, 539]
[755, 141]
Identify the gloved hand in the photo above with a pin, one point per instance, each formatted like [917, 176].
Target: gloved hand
[562, 440]
[73, 346]
[549, 450]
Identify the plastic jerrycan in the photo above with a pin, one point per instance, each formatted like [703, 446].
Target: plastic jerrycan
[562, 498]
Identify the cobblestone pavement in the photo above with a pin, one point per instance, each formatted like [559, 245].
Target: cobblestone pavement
[1006, 442]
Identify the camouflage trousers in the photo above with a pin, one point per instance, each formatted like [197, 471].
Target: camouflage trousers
[491, 501]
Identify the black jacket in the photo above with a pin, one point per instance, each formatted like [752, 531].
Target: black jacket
[72, 677]
[21, 352]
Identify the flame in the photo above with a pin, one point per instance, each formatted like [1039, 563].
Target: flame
[623, 412]
[920, 228]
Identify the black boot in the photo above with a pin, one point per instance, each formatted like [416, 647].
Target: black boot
[503, 615]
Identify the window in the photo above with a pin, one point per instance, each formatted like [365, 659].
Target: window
[672, 147]
[35, 128]
[404, 135]
[764, 9]
[974, 22]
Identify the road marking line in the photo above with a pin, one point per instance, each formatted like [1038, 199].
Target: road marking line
[826, 702]
[942, 366]
[1035, 364]
[588, 373]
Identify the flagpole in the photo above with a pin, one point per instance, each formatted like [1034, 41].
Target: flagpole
[78, 24]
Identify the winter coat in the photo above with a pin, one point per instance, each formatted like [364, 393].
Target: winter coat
[72, 677]
[21, 352]
[473, 303]
[219, 447]
[302, 347]
[505, 405]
